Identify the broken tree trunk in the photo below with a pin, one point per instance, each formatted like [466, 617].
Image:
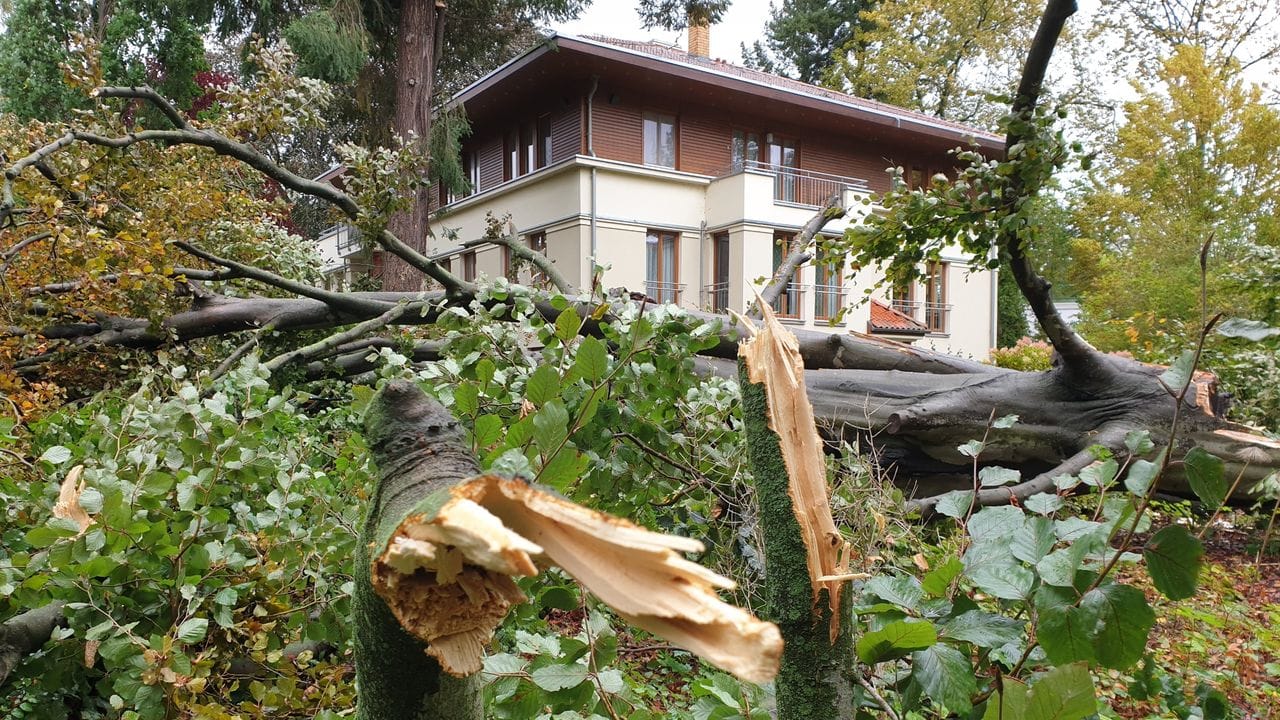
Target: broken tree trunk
[805, 557]
[441, 544]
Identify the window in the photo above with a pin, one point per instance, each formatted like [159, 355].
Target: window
[528, 149]
[936, 308]
[469, 265]
[659, 140]
[508, 267]
[538, 243]
[746, 149]
[719, 289]
[661, 261]
[785, 158]
[511, 155]
[788, 303]
[544, 141]
[446, 263]
[828, 289]
[471, 165]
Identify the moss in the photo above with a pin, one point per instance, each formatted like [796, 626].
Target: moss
[816, 679]
[418, 453]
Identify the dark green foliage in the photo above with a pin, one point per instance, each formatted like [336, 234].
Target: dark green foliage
[802, 35]
[676, 14]
[327, 50]
[1011, 310]
[34, 44]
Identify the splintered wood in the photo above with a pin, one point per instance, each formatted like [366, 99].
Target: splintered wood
[773, 359]
[68, 505]
[447, 577]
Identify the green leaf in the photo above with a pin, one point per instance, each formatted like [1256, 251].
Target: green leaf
[1006, 581]
[981, 628]
[559, 677]
[1139, 442]
[895, 640]
[488, 431]
[550, 426]
[56, 455]
[1125, 620]
[1205, 476]
[1004, 422]
[1174, 559]
[502, 664]
[567, 325]
[592, 361]
[542, 385]
[1247, 329]
[903, 591]
[955, 504]
[1140, 476]
[938, 580]
[995, 476]
[995, 523]
[485, 369]
[1066, 633]
[558, 597]
[1033, 540]
[946, 676]
[1100, 474]
[1064, 693]
[1044, 503]
[1179, 373]
[466, 399]
[972, 449]
[193, 630]
[562, 469]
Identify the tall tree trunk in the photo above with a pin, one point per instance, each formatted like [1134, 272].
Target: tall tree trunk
[417, 37]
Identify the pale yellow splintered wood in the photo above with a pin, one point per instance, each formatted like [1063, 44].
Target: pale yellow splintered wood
[773, 359]
[634, 570]
[68, 504]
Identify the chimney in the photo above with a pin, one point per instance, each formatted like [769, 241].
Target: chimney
[700, 37]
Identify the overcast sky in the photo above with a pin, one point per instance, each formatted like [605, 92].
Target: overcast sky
[743, 23]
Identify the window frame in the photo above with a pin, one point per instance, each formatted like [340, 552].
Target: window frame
[469, 265]
[935, 305]
[654, 275]
[788, 304]
[657, 118]
[827, 274]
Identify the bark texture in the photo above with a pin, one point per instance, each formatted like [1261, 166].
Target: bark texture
[24, 634]
[816, 677]
[419, 450]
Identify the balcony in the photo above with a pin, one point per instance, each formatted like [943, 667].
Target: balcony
[715, 297]
[828, 301]
[664, 292]
[934, 316]
[345, 239]
[790, 303]
[805, 188]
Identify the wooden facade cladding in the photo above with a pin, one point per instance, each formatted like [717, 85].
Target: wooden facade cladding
[566, 133]
[489, 157]
[617, 130]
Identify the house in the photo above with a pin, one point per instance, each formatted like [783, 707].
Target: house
[687, 177]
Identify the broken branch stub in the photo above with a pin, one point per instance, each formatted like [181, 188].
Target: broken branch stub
[445, 573]
[772, 356]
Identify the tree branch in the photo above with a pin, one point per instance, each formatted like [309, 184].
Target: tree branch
[318, 349]
[799, 254]
[24, 634]
[521, 251]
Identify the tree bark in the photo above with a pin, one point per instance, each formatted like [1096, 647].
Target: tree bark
[415, 69]
[419, 450]
[23, 634]
[816, 679]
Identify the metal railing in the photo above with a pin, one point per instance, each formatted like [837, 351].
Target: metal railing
[346, 238]
[934, 316]
[715, 297]
[828, 301]
[789, 303]
[801, 187]
[664, 292]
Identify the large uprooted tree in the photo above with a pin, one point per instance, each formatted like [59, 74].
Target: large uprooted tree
[913, 406]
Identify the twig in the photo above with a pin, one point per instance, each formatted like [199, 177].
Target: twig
[524, 252]
[319, 348]
[799, 254]
[875, 695]
[229, 361]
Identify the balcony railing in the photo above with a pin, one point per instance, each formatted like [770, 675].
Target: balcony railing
[345, 237]
[715, 297]
[664, 292]
[828, 301]
[934, 316]
[789, 303]
[802, 187]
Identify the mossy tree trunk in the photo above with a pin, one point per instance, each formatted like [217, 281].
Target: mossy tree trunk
[420, 451]
[816, 679]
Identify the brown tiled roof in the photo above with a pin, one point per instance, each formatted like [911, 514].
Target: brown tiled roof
[675, 54]
[884, 319]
